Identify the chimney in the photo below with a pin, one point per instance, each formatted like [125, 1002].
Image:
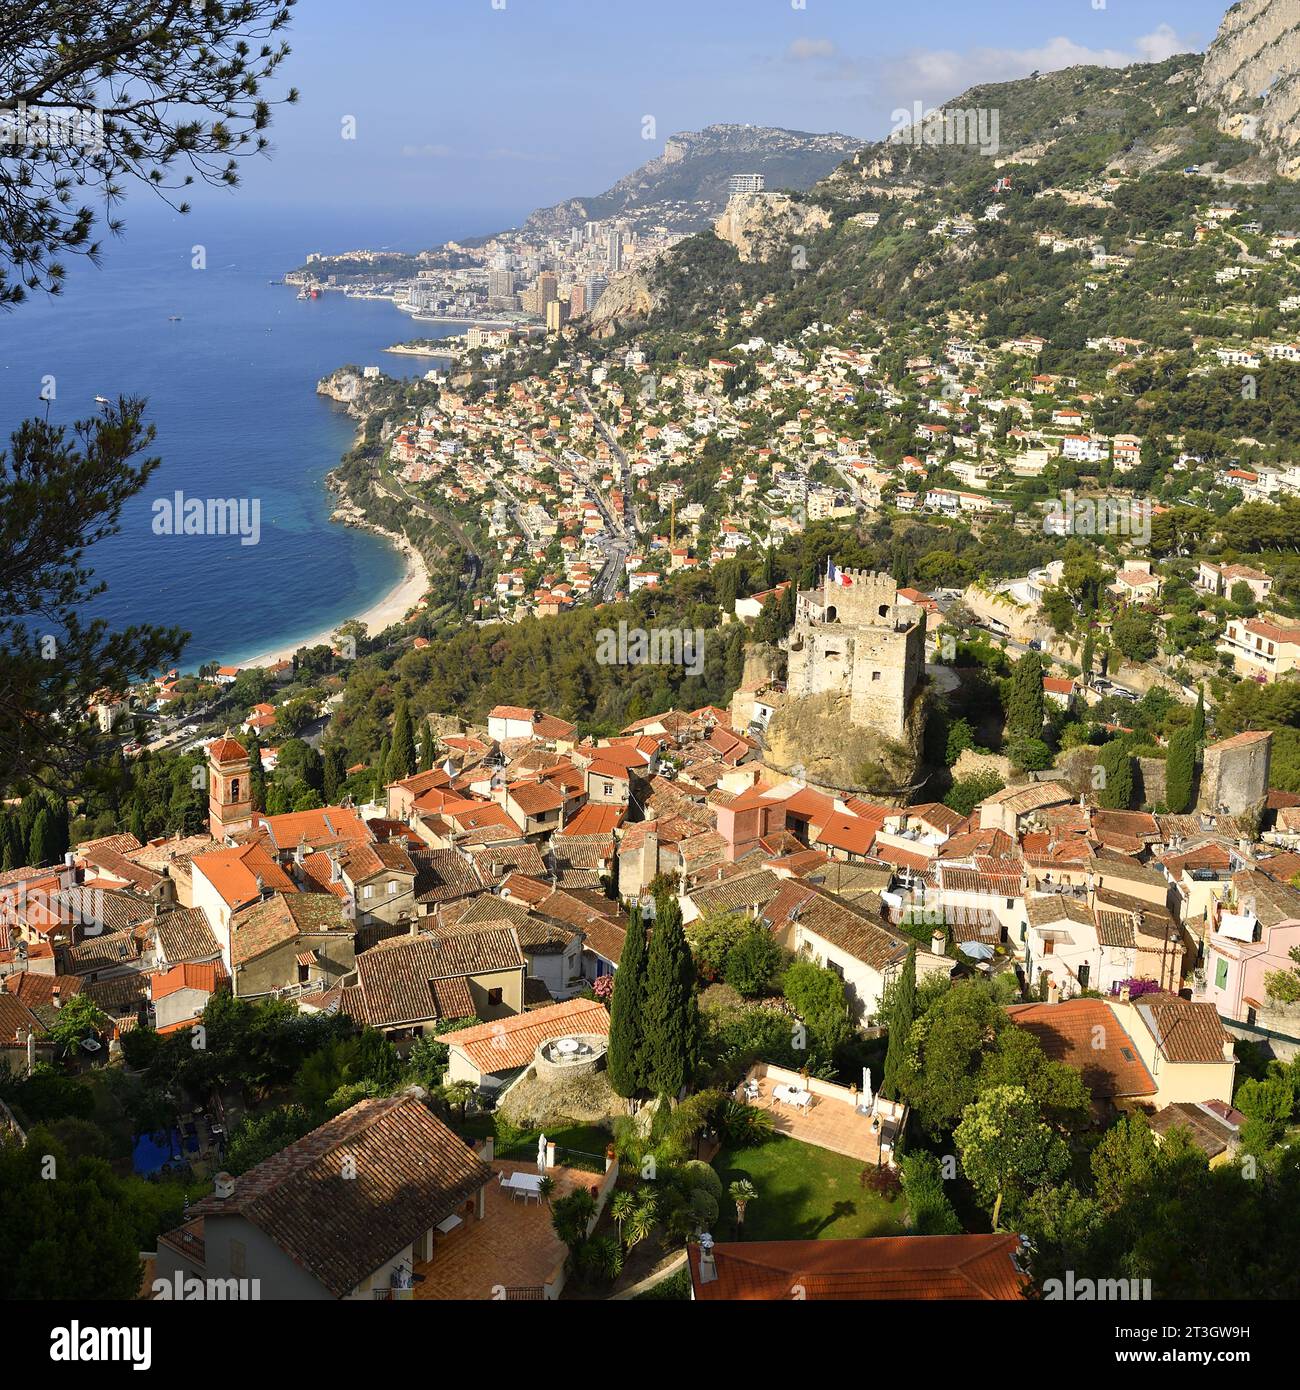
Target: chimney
[223, 1186]
[1124, 993]
[938, 942]
[57, 996]
[1053, 993]
[336, 869]
[4, 984]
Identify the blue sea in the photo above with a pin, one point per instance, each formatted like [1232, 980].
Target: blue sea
[231, 394]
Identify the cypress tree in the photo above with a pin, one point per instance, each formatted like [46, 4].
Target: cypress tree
[7, 843]
[401, 757]
[41, 847]
[1025, 710]
[1180, 770]
[426, 747]
[1116, 794]
[256, 774]
[624, 1058]
[1198, 718]
[902, 1014]
[672, 1020]
[16, 845]
[135, 823]
[1089, 648]
[335, 773]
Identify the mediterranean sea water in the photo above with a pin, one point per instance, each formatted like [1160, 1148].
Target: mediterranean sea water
[231, 392]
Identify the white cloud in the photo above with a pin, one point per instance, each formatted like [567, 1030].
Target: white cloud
[803, 50]
[941, 74]
[1161, 44]
[427, 152]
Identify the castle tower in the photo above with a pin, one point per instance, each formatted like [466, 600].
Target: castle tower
[853, 637]
[230, 791]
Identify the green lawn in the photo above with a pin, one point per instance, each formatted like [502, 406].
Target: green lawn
[803, 1193]
[586, 1139]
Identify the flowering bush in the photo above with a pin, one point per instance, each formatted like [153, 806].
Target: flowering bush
[603, 988]
[1137, 988]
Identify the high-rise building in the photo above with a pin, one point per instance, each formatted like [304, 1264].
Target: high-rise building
[577, 301]
[748, 183]
[557, 315]
[596, 286]
[614, 251]
[501, 284]
[548, 289]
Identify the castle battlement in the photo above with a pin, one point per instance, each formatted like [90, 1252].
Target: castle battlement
[859, 641]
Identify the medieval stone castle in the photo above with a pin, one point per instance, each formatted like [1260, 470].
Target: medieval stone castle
[859, 641]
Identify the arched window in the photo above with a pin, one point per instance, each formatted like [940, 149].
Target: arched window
[832, 614]
[234, 789]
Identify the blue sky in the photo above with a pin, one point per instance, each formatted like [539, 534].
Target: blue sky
[467, 107]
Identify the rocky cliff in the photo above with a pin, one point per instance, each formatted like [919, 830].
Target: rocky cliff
[761, 225]
[628, 299]
[1251, 76]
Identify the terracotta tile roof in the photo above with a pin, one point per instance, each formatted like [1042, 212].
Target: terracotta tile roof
[444, 875]
[409, 1172]
[227, 750]
[509, 1043]
[1068, 1033]
[397, 979]
[36, 992]
[746, 890]
[16, 1021]
[283, 918]
[1214, 1126]
[112, 950]
[1184, 1031]
[978, 1267]
[535, 798]
[852, 834]
[496, 863]
[850, 928]
[187, 976]
[185, 935]
[234, 873]
[595, 820]
[329, 825]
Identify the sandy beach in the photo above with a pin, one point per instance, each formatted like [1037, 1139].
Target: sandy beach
[392, 608]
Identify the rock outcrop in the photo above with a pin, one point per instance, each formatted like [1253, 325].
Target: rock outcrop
[627, 300]
[1251, 76]
[763, 225]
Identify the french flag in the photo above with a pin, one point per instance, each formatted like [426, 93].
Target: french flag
[834, 575]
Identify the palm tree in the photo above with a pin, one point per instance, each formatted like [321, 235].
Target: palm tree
[643, 1218]
[621, 1208]
[546, 1187]
[742, 1192]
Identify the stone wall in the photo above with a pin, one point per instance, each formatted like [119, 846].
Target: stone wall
[1234, 779]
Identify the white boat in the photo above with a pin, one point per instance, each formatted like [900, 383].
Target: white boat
[102, 400]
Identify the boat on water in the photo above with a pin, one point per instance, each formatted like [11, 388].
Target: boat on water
[102, 400]
[173, 318]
